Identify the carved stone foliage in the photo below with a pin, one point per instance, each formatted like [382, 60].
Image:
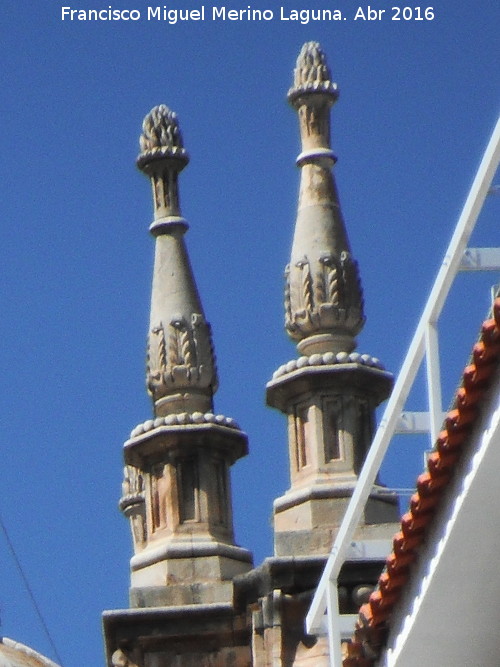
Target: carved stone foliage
[132, 504]
[180, 355]
[160, 128]
[311, 65]
[324, 297]
[312, 74]
[161, 139]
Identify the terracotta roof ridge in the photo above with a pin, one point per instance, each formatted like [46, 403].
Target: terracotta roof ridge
[374, 616]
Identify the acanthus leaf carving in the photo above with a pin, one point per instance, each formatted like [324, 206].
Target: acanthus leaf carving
[319, 288]
[173, 345]
[352, 282]
[160, 130]
[307, 300]
[329, 299]
[312, 74]
[156, 360]
[180, 355]
[133, 482]
[333, 284]
[181, 352]
[186, 348]
[205, 353]
[289, 321]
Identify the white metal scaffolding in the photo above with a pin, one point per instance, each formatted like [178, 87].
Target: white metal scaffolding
[424, 343]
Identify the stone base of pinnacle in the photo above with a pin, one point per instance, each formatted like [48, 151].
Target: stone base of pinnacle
[186, 572]
[177, 498]
[306, 521]
[330, 401]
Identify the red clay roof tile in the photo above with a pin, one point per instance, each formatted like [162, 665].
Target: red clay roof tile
[372, 626]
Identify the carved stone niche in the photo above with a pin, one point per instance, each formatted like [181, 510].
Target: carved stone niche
[300, 440]
[333, 429]
[347, 429]
[189, 494]
[363, 431]
[188, 490]
[325, 432]
[161, 513]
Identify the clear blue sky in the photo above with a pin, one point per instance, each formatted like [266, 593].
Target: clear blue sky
[418, 101]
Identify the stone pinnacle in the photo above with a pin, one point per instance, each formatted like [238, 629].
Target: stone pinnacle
[323, 295]
[181, 372]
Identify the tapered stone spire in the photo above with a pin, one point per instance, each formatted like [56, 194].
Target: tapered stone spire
[181, 372]
[330, 392]
[176, 489]
[323, 296]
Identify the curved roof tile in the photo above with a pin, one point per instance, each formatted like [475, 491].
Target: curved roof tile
[374, 616]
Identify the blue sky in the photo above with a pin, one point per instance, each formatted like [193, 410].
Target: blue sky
[418, 101]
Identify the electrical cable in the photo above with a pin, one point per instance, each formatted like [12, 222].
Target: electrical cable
[30, 592]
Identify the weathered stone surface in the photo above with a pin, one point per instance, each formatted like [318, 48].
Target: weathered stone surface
[330, 411]
[183, 474]
[197, 569]
[320, 540]
[15, 654]
[186, 636]
[179, 594]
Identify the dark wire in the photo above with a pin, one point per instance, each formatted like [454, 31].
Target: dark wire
[30, 592]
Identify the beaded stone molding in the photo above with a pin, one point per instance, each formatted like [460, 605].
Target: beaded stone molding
[182, 419]
[328, 359]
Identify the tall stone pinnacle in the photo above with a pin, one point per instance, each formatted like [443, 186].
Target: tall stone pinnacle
[330, 392]
[181, 371]
[323, 296]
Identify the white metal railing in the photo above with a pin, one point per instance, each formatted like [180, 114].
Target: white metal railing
[424, 343]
